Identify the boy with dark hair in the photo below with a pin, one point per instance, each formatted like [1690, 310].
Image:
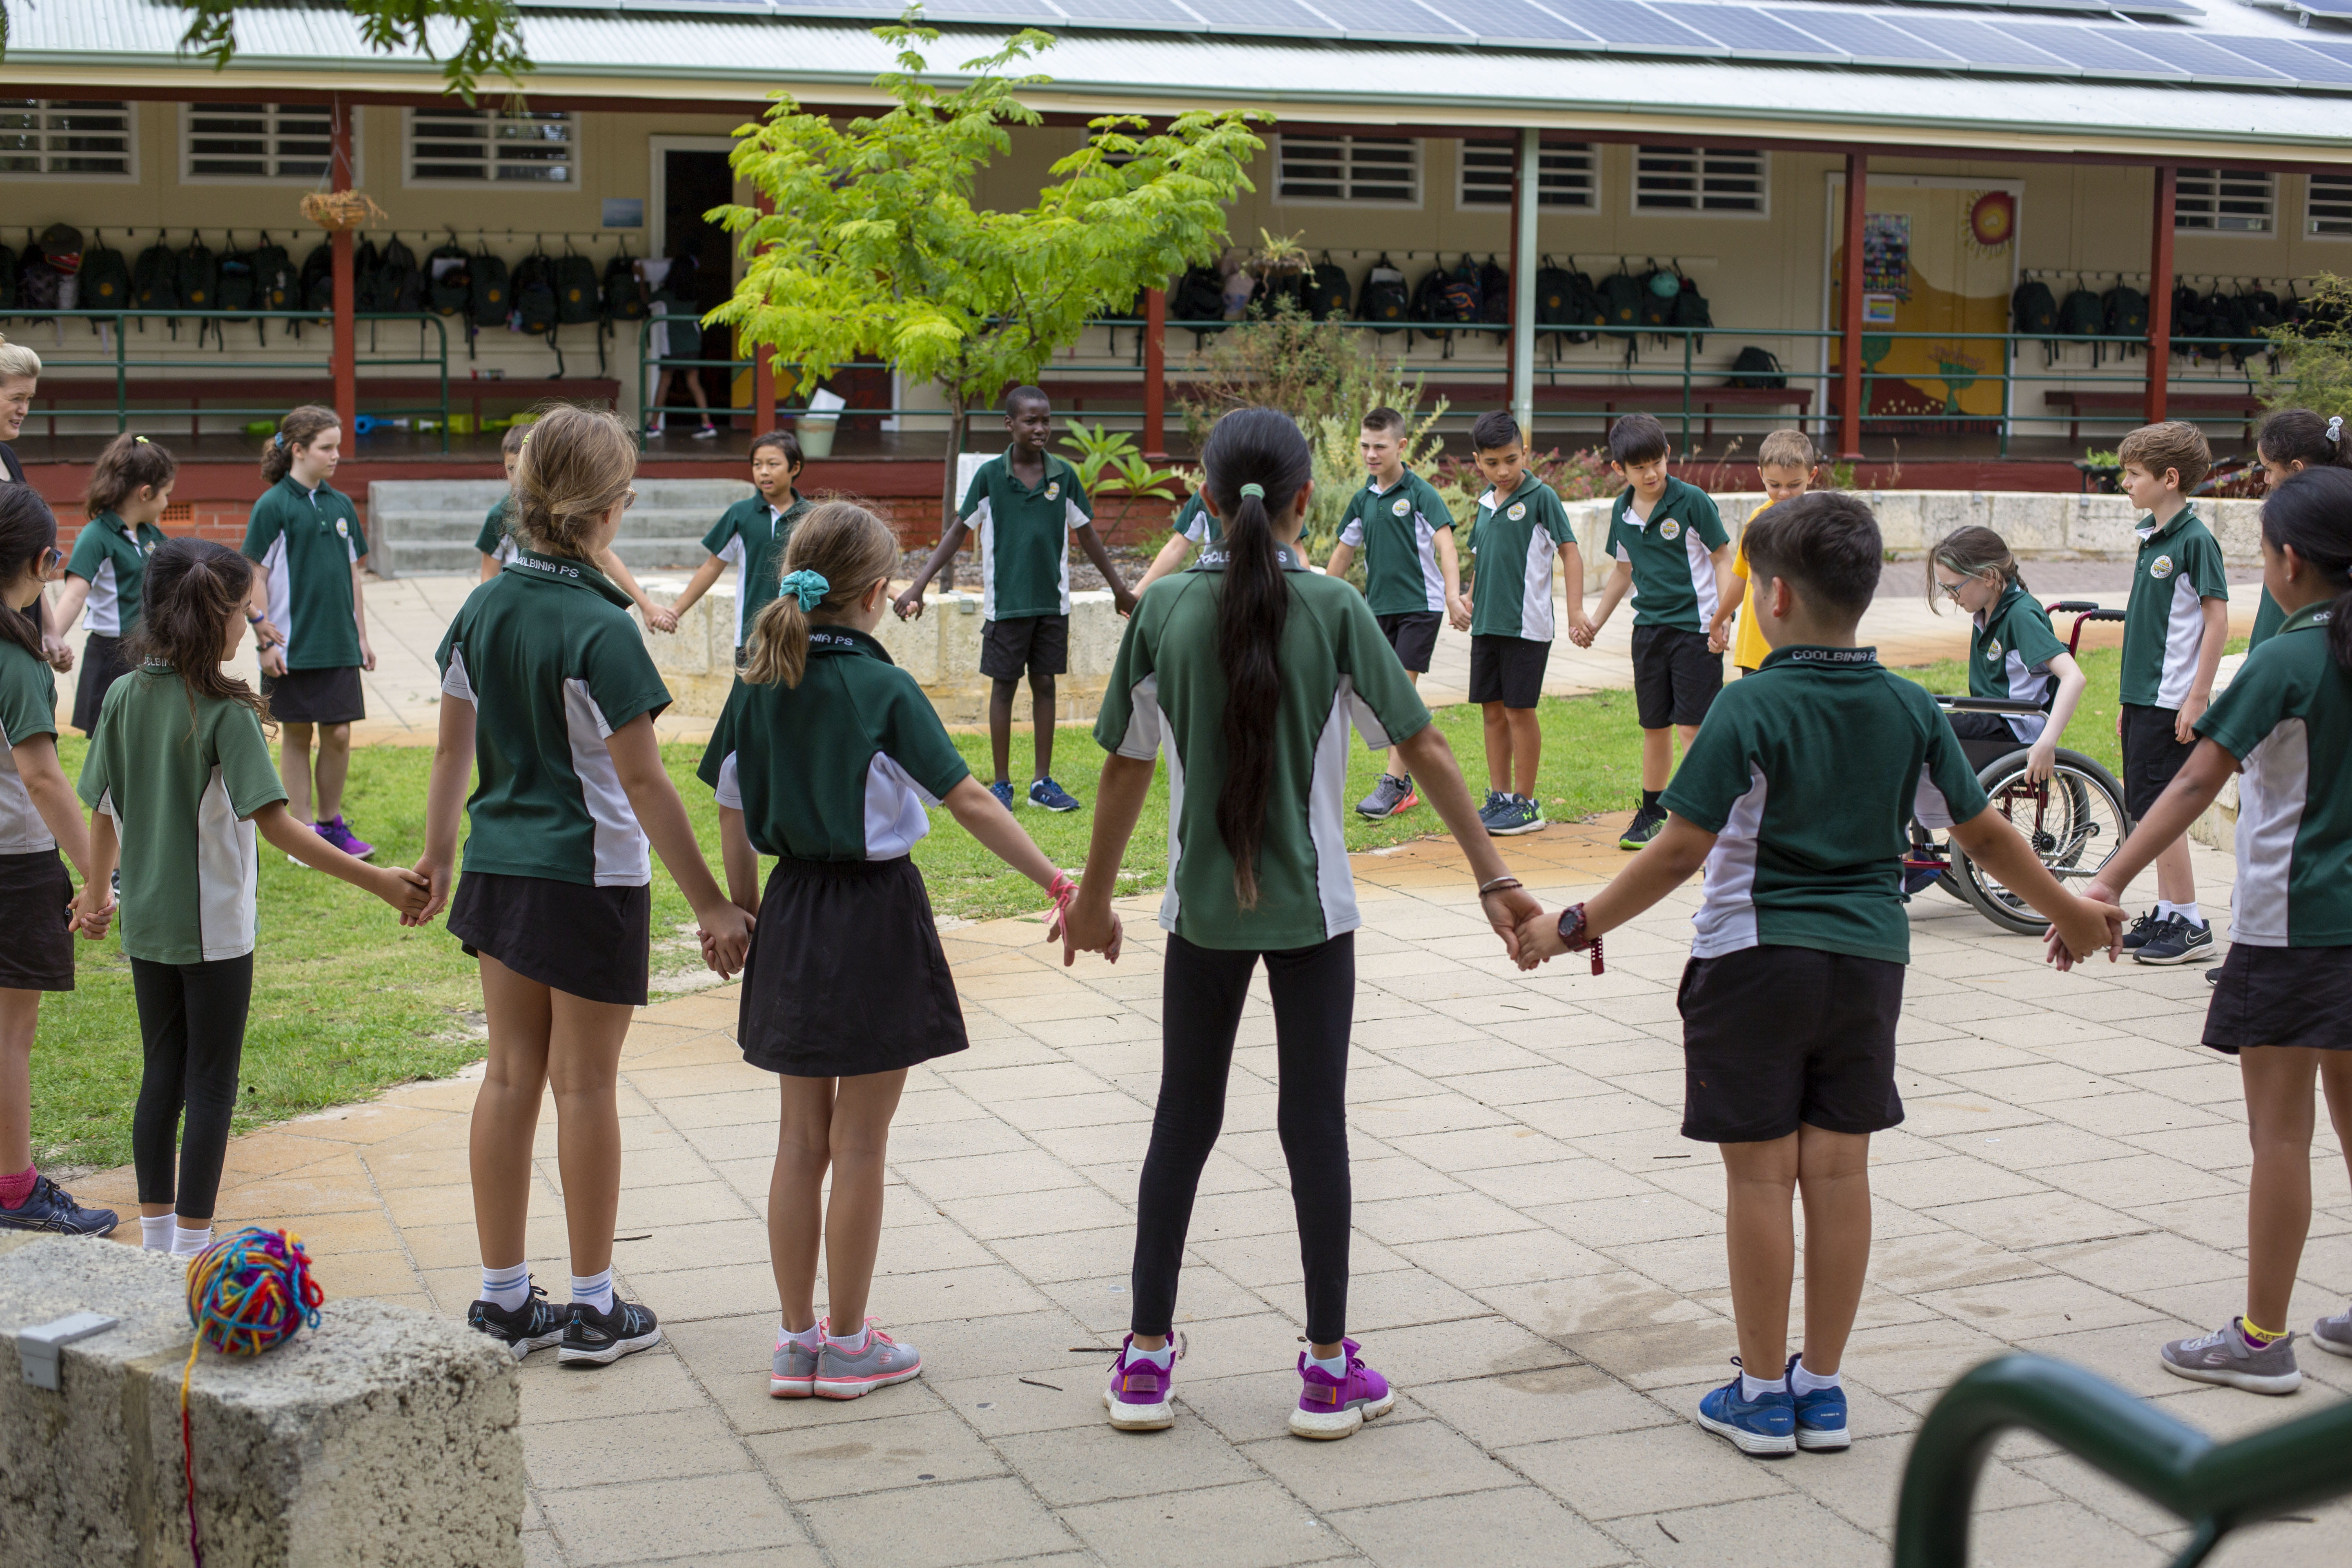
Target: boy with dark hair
[2175, 625]
[1795, 799]
[1024, 506]
[1507, 613]
[1412, 579]
[1674, 556]
[752, 534]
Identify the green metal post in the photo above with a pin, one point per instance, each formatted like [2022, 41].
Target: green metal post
[1686, 390]
[121, 384]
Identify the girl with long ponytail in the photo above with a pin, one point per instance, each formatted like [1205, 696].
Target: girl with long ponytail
[2290, 441]
[1245, 669]
[2282, 999]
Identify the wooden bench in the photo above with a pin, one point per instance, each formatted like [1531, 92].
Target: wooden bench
[2244, 405]
[154, 396]
[1079, 394]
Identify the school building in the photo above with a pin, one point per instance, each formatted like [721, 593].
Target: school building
[2115, 150]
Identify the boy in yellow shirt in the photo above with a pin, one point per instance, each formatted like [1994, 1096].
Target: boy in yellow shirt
[1786, 462]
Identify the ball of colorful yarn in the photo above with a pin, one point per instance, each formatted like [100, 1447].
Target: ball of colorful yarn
[251, 1291]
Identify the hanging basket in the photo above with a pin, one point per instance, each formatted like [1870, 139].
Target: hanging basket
[339, 212]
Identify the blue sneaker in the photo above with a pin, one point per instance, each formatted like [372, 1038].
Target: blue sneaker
[1767, 1425]
[1821, 1415]
[1002, 791]
[1052, 797]
[48, 1207]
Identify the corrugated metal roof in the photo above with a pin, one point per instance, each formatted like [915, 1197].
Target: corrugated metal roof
[716, 55]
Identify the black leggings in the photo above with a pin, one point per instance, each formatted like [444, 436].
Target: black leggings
[193, 1018]
[1314, 1006]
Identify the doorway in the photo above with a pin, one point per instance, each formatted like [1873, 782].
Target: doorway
[692, 180]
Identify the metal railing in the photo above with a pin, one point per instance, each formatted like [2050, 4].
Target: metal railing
[121, 363]
[2214, 1487]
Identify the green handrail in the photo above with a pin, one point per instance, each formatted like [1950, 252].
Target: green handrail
[2215, 1487]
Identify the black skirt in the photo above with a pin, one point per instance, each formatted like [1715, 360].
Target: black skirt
[590, 942]
[316, 696]
[102, 665]
[35, 895]
[846, 975]
[2282, 996]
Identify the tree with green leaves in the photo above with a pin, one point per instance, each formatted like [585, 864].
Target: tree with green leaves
[874, 249]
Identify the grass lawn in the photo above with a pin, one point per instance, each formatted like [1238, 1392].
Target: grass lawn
[346, 1003]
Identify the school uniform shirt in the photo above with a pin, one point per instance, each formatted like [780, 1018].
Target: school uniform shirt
[546, 653]
[1397, 529]
[1808, 772]
[2179, 566]
[306, 543]
[1024, 537]
[494, 541]
[1513, 542]
[1168, 692]
[2010, 657]
[2268, 618]
[750, 536]
[181, 804]
[110, 555]
[28, 707]
[2289, 707]
[839, 767]
[1195, 522]
[1749, 649]
[1672, 553]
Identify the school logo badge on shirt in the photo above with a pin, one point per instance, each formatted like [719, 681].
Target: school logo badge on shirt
[2161, 567]
[1054, 491]
[343, 529]
[1993, 649]
[1402, 507]
[1518, 509]
[1669, 529]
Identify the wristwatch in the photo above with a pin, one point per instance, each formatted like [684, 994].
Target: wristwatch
[1572, 928]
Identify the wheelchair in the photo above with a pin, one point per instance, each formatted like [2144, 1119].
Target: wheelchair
[2075, 819]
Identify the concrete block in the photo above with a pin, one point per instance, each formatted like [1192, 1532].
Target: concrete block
[2031, 523]
[384, 1436]
[2238, 525]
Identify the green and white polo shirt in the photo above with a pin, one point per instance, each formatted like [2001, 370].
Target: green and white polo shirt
[2179, 567]
[1024, 537]
[495, 540]
[182, 797]
[1808, 772]
[2286, 716]
[2009, 658]
[28, 707]
[1195, 522]
[839, 767]
[110, 555]
[1168, 692]
[2268, 618]
[1672, 553]
[306, 543]
[546, 653]
[1396, 529]
[750, 536]
[1512, 544]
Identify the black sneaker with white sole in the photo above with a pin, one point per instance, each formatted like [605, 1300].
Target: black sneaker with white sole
[599, 1339]
[2137, 935]
[2177, 942]
[535, 1325]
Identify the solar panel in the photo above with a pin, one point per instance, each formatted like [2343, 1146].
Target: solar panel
[2305, 62]
[1283, 18]
[2333, 49]
[1405, 19]
[2201, 55]
[2312, 7]
[1516, 21]
[1750, 33]
[1982, 45]
[1866, 37]
[1624, 24]
[1130, 14]
[1016, 13]
[2098, 53]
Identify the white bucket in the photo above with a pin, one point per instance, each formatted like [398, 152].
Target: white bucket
[816, 427]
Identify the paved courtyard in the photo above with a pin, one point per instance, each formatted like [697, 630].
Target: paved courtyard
[1538, 1266]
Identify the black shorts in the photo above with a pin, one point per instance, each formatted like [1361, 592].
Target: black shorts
[2282, 996]
[315, 696]
[35, 893]
[102, 665]
[1775, 1037]
[1505, 669]
[1413, 635]
[595, 943]
[1675, 675]
[1033, 644]
[1983, 727]
[2151, 755]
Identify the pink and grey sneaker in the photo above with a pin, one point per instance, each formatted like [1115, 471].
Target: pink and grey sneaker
[793, 1373]
[1330, 1407]
[339, 833]
[880, 1361]
[1138, 1396]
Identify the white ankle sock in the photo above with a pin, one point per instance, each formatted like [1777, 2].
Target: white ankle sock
[155, 1233]
[850, 1342]
[2188, 912]
[188, 1243]
[594, 1290]
[808, 1339]
[506, 1288]
[1754, 1388]
[1804, 1379]
[1333, 1367]
[1164, 1358]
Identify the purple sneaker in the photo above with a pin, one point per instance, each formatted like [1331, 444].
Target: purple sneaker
[1331, 1407]
[340, 835]
[1137, 1396]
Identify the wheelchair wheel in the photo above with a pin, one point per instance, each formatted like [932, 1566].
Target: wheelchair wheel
[2076, 821]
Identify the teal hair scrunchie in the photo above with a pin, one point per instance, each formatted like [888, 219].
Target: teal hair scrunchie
[1257, 491]
[809, 587]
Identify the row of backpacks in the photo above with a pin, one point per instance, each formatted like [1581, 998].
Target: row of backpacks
[2240, 315]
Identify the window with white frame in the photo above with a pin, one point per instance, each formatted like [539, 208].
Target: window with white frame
[493, 146]
[1699, 179]
[69, 138]
[250, 143]
[2328, 207]
[2223, 201]
[1567, 179]
[1372, 171]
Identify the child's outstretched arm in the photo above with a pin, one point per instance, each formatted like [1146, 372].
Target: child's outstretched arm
[658, 618]
[1669, 860]
[637, 758]
[398, 886]
[2079, 927]
[1620, 577]
[2042, 760]
[985, 818]
[2184, 800]
[1170, 559]
[1431, 761]
[909, 603]
[1090, 926]
[1091, 542]
[1343, 555]
[445, 804]
[2209, 661]
[695, 587]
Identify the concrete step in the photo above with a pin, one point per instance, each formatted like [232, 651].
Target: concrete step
[439, 557]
